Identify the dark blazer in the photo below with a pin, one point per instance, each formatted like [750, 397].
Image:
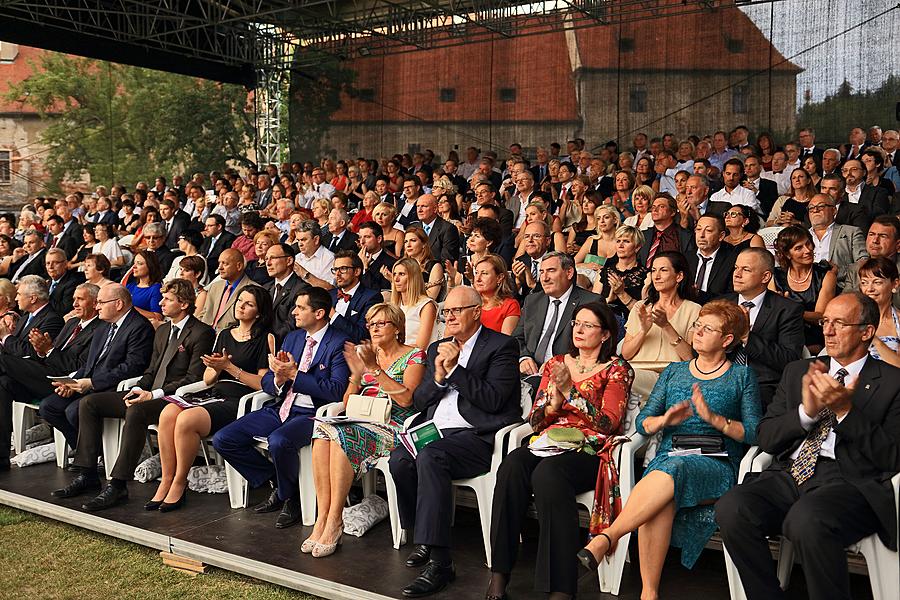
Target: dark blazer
[685, 242]
[66, 359]
[109, 217]
[522, 291]
[282, 320]
[180, 221]
[874, 200]
[372, 278]
[489, 389]
[767, 194]
[326, 380]
[46, 321]
[537, 305]
[867, 451]
[507, 221]
[128, 354]
[166, 257]
[70, 240]
[444, 239]
[775, 339]
[182, 362]
[347, 241]
[405, 220]
[35, 267]
[849, 214]
[720, 269]
[353, 325]
[211, 254]
[62, 297]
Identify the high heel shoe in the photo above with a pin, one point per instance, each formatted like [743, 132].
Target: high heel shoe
[323, 550]
[152, 505]
[587, 558]
[170, 506]
[308, 545]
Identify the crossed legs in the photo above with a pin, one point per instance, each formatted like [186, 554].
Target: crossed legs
[333, 477]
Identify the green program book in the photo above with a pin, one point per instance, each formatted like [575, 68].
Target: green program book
[420, 436]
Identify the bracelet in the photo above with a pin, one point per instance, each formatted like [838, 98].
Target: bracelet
[377, 372]
[677, 341]
[727, 425]
[354, 381]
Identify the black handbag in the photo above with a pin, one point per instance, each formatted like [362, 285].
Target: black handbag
[708, 444]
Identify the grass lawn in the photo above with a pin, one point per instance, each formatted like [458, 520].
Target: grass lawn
[45, 559]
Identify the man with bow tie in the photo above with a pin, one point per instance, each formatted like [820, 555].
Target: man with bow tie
[350, 300]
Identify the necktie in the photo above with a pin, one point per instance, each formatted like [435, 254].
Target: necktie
[701, 272]
[75, 333]
[654, 247]
[223, 303]
[160, 378]
[855, 150]
[804, 465]
[285, 410]
[544, 344]
[534, 269]
[740, 356]
[278, 288]
[109, 338]
[342, 295]
[28, 322]
[334, 243]
[55, 241]
[53, 284]
[427, 229]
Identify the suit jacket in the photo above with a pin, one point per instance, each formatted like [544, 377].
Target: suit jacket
[405, 220]
[874, 200]
[867, 449]
[528, 330]
[488, 386]
[182, 362]
[46, 321]
[521, 291]
[444, 239]
[685, 242]
[849, 214]
[70, 240]
[720, 271]
[848, 245]
[166, 257]
[128, 354]
[180, 221]
[67, 359]
[282, 320]
[109, 217]
[62, 297]
[35, 267]
[214, 294]
[775, 339]
[326, 380]
[507, 221]
[767, 194]
[514, 205]
[372, 278]
[211, 254]
[347, 241]
[353, 325]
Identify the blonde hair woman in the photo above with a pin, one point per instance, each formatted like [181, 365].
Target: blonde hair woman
[603, 244]
[321, 208]
[641, 199]
[408, 293]
[386, 215]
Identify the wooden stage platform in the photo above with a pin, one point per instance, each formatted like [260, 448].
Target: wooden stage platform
[206, 529]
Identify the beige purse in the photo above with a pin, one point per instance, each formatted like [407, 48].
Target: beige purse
[369, 408]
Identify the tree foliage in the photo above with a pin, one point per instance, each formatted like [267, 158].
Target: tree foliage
[838, 113]
[123, 124]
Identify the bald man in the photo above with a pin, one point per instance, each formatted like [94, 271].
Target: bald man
[218, 312]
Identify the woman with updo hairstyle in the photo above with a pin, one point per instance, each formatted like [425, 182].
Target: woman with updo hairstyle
[879, 280]
[385, 214]
[742, 224]
[500, 311]
[602, 245]
[482, 241]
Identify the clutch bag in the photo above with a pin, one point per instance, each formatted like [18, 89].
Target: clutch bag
[369, 408]
[708, 444]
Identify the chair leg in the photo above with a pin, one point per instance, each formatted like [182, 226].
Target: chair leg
[369, 483]
[22, 419]
[307, 487]
[237, 487]
[785, 563]
[397, 533]
[883, 566]
[734, 579]
[484, 495]
[611, 574]
[112, 438]
[59, 442]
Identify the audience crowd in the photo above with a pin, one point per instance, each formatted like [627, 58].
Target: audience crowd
[699, 276]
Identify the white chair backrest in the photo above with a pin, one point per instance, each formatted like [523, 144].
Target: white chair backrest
[526, 400]
[632, 409]
[769, 234]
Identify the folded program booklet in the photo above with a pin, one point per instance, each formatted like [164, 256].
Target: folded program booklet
[420, 436]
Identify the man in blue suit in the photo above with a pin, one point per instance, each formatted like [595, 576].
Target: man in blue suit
[308, 372]
[119, 350]
[350, 300]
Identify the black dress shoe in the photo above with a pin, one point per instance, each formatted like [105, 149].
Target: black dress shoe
[81, 484]
[4, 464]
[271, 504]
[290, 514]
[170, 506]
[433, 579]
[419, 556]
[153, 505]
[108, 498]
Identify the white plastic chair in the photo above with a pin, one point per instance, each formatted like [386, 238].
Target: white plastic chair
[769, 235]
[882, 563]
[22, 419]
[112, 431]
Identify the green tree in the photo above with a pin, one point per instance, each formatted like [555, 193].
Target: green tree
[123, 124]
[837, 114]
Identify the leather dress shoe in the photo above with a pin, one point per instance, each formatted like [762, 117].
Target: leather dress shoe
[290, 514]
[81, 484]
[271, 504]
[108, 498]
[431, 580]
[419, 556]
[4, 464]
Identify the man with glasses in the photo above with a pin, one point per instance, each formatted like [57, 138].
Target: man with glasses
[872, 199]
[846, 212]
[316, 188]
[155, 235]
[486, 195]
[350, 299]
[307, 373]
[283, 288]
[216, 239]
[697, 202]
[469, 391]
[841, 245]
[406, 202]
[526, 268]
[834, 430]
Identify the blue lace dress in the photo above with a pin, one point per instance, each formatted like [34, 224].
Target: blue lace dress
[891, 341]
[734, 395]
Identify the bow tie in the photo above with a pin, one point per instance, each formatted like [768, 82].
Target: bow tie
[342, 295]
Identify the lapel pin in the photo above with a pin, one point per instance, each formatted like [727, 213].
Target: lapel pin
[867, 386]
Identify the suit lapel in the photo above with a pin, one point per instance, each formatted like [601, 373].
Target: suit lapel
[868, 382]
[765, 311]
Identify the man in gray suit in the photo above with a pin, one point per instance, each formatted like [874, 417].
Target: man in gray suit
[545, 328]
[841, 245]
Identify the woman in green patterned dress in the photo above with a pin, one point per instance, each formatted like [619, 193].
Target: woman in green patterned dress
[384, 367]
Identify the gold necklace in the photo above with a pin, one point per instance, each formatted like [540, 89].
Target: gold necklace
[581, 368]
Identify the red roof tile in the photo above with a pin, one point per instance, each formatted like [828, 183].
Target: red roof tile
[15, 72]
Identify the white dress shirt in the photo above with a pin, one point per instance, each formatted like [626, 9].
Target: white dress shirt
[702, 285]
[739, 195]
[447, 415]
[823, 246]
[159, 393]
[319, 264]
[341, 306]
[757, 303]
[305, 400]
[853, 196]
[549, 322]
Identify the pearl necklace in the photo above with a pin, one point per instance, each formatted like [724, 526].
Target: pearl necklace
[804, 280]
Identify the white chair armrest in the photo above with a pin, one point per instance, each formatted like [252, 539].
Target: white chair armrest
[517, 435]
[127, 384]
[197, 386]
[499, 437]
[747, 463]
[334, 409]
[895, 482]
[253, 400]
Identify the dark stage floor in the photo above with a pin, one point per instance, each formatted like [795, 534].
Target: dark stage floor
[240, 540]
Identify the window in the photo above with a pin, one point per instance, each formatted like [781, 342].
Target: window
[448, 95]
[740, 99]
[5, 166]
[637, 98]
[366, 94]
[507, 94]
[626, 44]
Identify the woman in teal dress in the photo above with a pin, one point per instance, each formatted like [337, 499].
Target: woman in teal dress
[673, 502]
[384, 367]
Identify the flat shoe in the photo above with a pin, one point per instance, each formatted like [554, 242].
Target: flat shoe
[152, 505]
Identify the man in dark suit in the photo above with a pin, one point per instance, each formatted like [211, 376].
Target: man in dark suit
[178, 346]
[174, 221]
[119, 349]
[766, 190]
[216, 239]
[711, 265]
[808, 146]
[308, 372]
[873, 200]
[70, 238]
[59, 238]
[834, 429]
[155, 234]
[469, 391]
[371, 236]
[32, 298]
[697, 202]
[665, 235]
[486, 195]
[527, 268]
[406, 203]
[284, 287]
[776, 323]
[442, 235]
[62, 281]
[29, 259]
[847, 212]
[25, 378]
[545, 328]
[338, 237]
[104, 213]
[350, 299]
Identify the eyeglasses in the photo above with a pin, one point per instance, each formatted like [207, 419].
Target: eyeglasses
[734, 213]
[585, 326]
[704, 328]
[268, 258]
[819, 207]
[377, 324]
[105, 301]
[838, 324]
[534, 236]
[341, 270]
[455, 311]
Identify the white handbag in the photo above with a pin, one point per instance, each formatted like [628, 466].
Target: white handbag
[370, 408]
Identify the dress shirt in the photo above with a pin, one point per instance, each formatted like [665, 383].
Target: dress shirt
[341, 306]
[319, 264]
[82, 325]
[316, 191]
[739, 195]
[709, 263]
[548, 322]
[447, 415]
[408, 207]
[808, 422]
[718, 159]
[305, 400]
[782, 180]
[30, 316]
[823, 246]
[31, 257]
[853, 196]
[159, 393]
[686, 165]
[757, 303]
[667, 183]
